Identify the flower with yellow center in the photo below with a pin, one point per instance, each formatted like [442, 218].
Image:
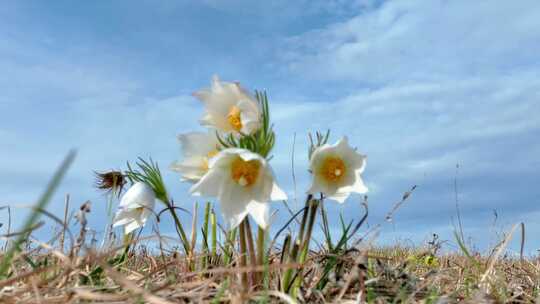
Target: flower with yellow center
[336, 171]
[197, 149]
[135, 207]
[229, 108]
[243, 182]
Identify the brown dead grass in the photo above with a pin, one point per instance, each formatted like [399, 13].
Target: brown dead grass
[376, 275]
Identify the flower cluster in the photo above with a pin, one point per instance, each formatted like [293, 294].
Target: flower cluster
[136, 206]
[228, 161]
[336, 171]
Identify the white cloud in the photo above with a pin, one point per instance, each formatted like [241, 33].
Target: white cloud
[417, 85]
[420, 40]
[421, 86]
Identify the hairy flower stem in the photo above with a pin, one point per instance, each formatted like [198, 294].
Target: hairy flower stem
[192, 261]
[213, 225]
[260, 247]
[179, 228]
[229, 246]
[286, 282]
[243, 256]
[206, 237]
[285, 249]
[251, 250]
[205, 226]
[298, 244]
[110, 217]
[128, 238]
[304, 249]
[312, 216]
[304, 217]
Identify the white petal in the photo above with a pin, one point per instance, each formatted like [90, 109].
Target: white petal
[248, 155]
[132, 226]
[145, 215]
[220, 99]
[342, 144]
[203, 95]
[197, 143]
[350, 156]
[359, 186]
[207, 120]
[233, 201]
[319, 184]
[250, 116]
[225, 156]
[248, 105]
[191, 169]
[352, 182]
[123, 217]
[260, 213]
[277, 194]
[216, 119]
[318, 156]
[216, 83]
[339, 197]
[209, 185]
[140, 194]
[363, 162]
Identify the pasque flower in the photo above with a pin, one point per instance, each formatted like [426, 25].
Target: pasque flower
[243, 182]
[197, 150]
[110, 181]
[136, 206]
[229, 108]
[336, 171]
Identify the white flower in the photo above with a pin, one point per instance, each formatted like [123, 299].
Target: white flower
[244, 183]
[135, 207]
[336, 171]
[197, 150]
[229, 108]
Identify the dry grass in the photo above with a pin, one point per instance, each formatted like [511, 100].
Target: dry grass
[42, 273]
[70, 268]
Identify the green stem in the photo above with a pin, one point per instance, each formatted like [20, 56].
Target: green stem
[285, 249]
[205, 226]
[260, 250]
[305, 245]
[304, 217]
[127, 244]
[180, 229]
[191, 254]
[286, 282]
[213, 224]
[260, 245]
[228, 249]
[312, 216]
[205, 256]
[251, 251]
[243, 256]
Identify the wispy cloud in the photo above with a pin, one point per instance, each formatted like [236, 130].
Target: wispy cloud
[428, 85]
[419, 86]
[420, 40]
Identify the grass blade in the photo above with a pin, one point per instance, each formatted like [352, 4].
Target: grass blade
[34, 215]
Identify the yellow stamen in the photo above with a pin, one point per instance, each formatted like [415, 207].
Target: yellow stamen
[245, 172]
[209, 155]
[212, 153]
[333, 169]
[234, 118]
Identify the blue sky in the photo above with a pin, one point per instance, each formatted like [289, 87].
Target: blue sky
[418, 85]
